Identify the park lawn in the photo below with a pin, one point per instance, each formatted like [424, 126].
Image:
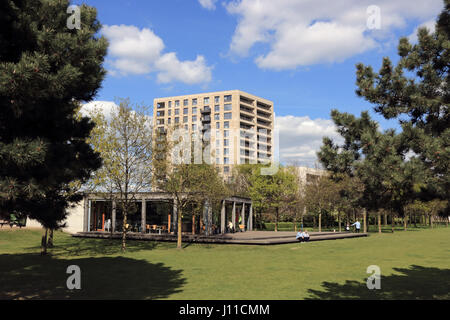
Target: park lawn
[414, 265]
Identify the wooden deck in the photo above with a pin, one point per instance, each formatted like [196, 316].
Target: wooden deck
[249, 237]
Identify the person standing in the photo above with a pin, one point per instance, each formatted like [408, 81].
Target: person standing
[357, 225]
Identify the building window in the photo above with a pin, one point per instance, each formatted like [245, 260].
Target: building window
[226, 133]
[194, 110]
[205, 101]
[194, 101]
[227, 115]
[185, 111]
[226, 151]
[170, 104]
[177, 103]
[226, 169]
[227, 107]
[225, 142]
[226, 160]
[168, 121]
[185, 119]
[161, 105]
[216, 99]
[177, 119]
[227, 98]
[194, 118]
[216, 108]
[170, 112]
[194, 127]
[217, 152]
[217, 116]
[217, 125]
[177, 111]
[185, 102]
[186, 127]
[217, 143]
[226, 124]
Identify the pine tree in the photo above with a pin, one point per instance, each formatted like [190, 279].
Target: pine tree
[417, 93]
[46, 71]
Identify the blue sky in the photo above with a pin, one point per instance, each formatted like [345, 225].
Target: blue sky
[299, 54]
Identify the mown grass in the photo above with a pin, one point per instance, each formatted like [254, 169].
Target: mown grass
[414, 265]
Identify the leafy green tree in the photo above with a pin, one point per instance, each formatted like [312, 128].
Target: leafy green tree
[46, 70]
[124, 140]
[416, 92]
[321, 195]
[377, 159]
[188, 183]
[268, 192]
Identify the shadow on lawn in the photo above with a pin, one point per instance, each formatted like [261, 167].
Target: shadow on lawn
[417, 282]
[93, 247]
[31, 276]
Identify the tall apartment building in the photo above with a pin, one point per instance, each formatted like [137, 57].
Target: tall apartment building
[236, 126]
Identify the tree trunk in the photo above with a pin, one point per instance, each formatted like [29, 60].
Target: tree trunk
[301, 225]
[124, 230]
[405, 222]
[193, 224]
[320, 222]
[379, 221]
[50, 239]
[276, 220]
[431, 221]
[44, 243]
[385, 219]
[365, 220]
[392, 222]
[339, 221]
[179, 213]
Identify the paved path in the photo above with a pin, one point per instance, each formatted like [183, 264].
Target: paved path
[249, 237]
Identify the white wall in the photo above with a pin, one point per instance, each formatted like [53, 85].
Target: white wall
[74, 221]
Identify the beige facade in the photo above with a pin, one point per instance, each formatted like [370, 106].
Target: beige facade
[74, 221]
[235, 127]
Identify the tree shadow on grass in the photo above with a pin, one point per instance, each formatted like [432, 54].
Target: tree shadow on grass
[76, 247]
[417, 282]
[31, 276]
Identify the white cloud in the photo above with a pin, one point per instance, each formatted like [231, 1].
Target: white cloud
[430, 25]
[190, 72]
[301, 32]
[136, 51]
[208, 4]
[106, 107]
[301, 137]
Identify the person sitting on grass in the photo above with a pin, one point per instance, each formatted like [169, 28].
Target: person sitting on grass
[299, 236]
[306, 236]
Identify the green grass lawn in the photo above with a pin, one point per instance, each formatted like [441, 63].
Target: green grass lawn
[414, 265]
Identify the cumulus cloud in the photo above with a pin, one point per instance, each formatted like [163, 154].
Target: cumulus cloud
[301, 137]
[140, 51]
[208, 4]
[300, 33]
[106, 107]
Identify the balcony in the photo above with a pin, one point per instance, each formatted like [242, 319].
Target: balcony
[264, 106]
[205, 110]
